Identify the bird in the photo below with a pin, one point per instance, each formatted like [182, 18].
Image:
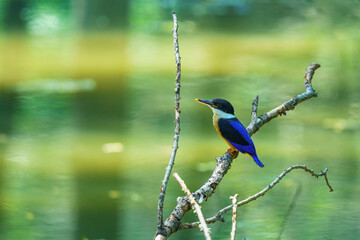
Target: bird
[230, 128]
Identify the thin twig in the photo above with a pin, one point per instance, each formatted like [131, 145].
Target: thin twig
[254, 110]
[234, 208]
[160, 225]
[218, 216]
[310, 71]
[327, 181]
[203, 227]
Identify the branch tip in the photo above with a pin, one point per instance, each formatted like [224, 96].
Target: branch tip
[316, 65]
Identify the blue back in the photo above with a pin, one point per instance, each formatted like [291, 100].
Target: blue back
[235, 133]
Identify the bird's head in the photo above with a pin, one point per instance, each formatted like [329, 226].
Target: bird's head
[218, 105]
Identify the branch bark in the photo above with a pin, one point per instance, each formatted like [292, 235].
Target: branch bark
[173, 223]
[160, 226]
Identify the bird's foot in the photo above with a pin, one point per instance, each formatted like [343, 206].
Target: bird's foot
[233, 152]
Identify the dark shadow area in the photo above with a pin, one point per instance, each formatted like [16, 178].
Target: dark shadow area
[1, 185]
[104, 108]
[13, 18]
[96, 203]
[7, 110]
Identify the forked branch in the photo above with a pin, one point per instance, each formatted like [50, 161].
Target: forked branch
[257, 122]
[173, 222]
[220, 213]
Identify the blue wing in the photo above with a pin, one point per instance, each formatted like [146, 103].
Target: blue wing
[236, 134]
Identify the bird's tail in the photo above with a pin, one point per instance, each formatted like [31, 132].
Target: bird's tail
[256, 159]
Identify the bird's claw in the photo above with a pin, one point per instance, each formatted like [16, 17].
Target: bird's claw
[233, 152]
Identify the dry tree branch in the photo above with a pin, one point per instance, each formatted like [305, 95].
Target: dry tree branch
[173, 223]
[234, 208]
[160, 225]
[219, 217]
[257, 122]
[202, 224]
[254, 110]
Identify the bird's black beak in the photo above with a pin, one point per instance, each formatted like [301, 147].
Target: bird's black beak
[206, 102]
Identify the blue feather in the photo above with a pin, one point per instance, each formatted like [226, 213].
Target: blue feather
[235, 123]
[256, 159]
[249, 148]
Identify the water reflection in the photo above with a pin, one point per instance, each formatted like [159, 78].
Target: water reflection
[2, 201]
[7, 105]
[38, 189]
[50, 177]
[96, 201]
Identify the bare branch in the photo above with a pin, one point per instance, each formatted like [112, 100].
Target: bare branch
[327, 181]
[218, 216]
[160, 225]
[196, 224]
[310, 71]
[233, 229]
[289, 105]
[203, 227]
[254, 110]
[173, 223]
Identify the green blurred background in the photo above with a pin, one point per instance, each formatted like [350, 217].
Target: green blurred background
[86, 115]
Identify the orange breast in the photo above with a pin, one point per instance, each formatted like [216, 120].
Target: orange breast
[216, 125]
